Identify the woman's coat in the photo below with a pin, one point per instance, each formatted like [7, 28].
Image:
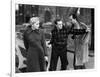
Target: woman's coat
[34, 42]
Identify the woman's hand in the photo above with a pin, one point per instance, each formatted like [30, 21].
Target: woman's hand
[86, 26]
[46, 58]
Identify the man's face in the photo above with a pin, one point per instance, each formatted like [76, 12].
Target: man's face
[35, 25]
[59, 24]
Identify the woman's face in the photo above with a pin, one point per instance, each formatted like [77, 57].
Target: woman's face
[35, 25]
[71, 19]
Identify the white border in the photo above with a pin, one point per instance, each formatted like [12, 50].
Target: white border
[64, 3]
[13, 39]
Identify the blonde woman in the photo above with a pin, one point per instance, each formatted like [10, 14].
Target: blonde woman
[35, 45]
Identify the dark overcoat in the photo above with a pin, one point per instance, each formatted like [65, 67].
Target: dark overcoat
[34, 42]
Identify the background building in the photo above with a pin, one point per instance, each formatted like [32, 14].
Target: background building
[48, 14]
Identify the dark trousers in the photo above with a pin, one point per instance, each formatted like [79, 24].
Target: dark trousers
[54, 59]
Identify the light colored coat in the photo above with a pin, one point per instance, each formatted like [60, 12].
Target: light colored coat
[81, 48]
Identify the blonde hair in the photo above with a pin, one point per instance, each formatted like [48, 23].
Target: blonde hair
[34, 20]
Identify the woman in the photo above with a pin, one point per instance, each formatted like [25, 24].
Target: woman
[34, 42]
[81, 39]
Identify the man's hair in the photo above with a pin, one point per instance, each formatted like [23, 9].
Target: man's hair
[55, 22]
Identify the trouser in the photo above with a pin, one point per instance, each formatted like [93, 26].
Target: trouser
[23, 69]
[54, 59]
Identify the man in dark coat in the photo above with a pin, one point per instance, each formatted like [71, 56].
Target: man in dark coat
[59, 45]
[34, 42]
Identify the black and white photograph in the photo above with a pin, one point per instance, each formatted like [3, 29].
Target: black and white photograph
[50, 38]
[53, 38]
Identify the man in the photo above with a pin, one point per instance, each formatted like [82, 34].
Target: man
[59, 42]
[59, 45]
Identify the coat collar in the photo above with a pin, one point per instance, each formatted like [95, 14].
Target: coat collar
[31, 30]
[55, 28]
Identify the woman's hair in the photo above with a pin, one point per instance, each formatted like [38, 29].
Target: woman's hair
[74, 16]
[34, 19]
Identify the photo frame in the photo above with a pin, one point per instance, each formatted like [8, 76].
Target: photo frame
[49, 16]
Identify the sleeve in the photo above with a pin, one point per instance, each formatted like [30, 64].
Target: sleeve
[52, 38]
[87, 38]
[77, 31]
[44, 44]
[25, 41]
[69, 29]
